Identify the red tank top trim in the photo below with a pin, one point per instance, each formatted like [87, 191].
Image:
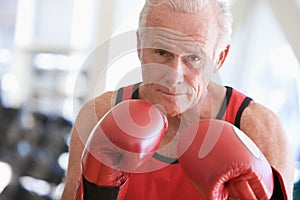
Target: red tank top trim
[231, 110]
[233, 106]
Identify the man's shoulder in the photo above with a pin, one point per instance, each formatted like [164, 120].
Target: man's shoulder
[258, 113]
[97, 106]
[261, 123]
[107, 100]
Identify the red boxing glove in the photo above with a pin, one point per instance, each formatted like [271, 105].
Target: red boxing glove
[120, 142]
[223, 163]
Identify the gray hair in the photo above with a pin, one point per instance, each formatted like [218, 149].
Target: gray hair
[222, 14]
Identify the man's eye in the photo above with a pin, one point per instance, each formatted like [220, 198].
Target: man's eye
[193, 58]
[161, 52]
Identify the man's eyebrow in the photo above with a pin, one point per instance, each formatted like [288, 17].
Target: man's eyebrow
[184, 48]
[195, 50]
[158, 43]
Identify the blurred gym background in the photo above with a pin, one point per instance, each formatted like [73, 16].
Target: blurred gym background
[45, 76]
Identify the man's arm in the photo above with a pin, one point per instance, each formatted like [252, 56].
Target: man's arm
[265, 129]
[85, 121]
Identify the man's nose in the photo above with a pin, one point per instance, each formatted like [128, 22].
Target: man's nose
[174, 75]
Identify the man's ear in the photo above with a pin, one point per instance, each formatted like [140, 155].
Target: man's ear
[222, 57]
[138, 42]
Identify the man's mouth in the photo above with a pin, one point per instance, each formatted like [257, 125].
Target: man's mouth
[170, 93]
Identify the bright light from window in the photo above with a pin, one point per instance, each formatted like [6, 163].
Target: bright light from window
[9, 86]
[24, 22]
[297, 175]
[9, 83]
[37, 186]
[5, 56]
[83, 20]
[51, 61]
[284, 62]
[5, 174]
[58, 191]
[125, 70]
[63, 160]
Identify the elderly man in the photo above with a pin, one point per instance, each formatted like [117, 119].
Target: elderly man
[181, 44]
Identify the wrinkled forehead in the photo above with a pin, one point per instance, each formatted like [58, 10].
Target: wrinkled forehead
[170, 40]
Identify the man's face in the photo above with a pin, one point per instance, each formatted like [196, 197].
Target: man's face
[176, 53]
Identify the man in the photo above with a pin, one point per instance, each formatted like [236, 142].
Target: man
[181, 44]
